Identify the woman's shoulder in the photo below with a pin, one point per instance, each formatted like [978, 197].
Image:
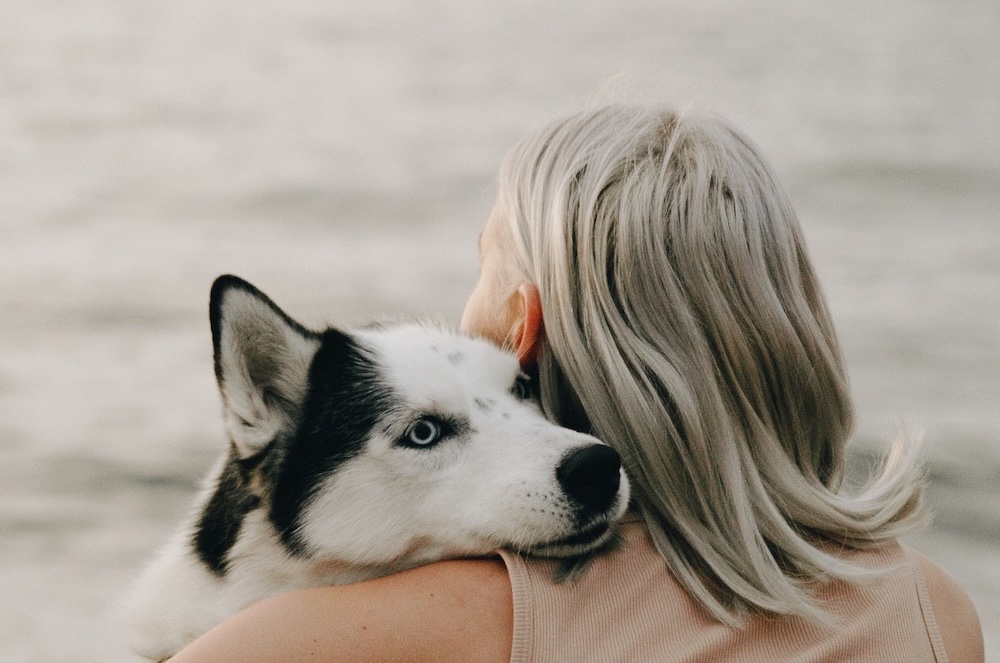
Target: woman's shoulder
[957, 621]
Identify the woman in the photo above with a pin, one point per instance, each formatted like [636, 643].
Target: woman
[650, 268]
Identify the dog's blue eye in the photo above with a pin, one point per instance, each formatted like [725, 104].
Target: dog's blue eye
[522, 387]
[423, 433]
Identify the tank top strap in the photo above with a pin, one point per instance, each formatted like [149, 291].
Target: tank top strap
[930, 621]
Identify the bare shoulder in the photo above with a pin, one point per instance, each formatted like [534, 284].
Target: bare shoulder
[957, 620]
[447, 611]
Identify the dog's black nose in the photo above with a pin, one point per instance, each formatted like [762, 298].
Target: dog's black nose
[590, 476]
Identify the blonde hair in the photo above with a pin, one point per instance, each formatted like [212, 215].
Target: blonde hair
[685, 327]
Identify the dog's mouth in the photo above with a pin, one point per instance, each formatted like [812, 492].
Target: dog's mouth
[580, 542]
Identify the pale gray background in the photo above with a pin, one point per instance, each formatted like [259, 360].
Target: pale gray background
[340, 154]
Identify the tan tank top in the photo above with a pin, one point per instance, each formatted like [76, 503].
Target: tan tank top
[628, 607]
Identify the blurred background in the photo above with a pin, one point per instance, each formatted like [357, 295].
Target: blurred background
[341, 156]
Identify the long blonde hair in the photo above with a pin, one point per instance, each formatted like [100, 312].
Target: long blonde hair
[684, 326]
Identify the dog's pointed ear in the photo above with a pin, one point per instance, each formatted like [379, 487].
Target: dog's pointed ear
[262, 360]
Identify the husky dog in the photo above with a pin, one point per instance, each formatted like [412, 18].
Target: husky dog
[353, 454]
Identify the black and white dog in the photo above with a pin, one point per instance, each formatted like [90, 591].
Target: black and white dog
[356, 454]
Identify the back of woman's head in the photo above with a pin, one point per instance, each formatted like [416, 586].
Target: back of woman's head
[685, 327]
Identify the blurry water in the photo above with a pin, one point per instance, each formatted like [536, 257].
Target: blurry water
[340, 155]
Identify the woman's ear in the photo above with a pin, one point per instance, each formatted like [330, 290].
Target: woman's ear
[529, 329]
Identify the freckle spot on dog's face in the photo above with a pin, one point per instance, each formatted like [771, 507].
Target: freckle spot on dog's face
[456, 358]
[484, 404]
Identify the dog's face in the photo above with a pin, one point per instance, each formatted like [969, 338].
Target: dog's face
[389, 446]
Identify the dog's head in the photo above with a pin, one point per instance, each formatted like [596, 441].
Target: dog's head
[388, 446]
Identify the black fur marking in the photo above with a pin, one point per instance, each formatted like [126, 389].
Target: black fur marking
[222, 517]
[345, 400]
[484, 404]
[456, 358]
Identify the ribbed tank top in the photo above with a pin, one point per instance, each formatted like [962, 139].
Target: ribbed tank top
[627, 606]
